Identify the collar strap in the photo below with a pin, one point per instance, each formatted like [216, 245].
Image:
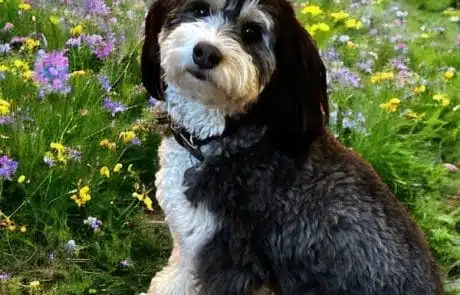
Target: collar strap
[190, 142]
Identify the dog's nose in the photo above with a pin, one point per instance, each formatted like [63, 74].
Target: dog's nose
[206, 56]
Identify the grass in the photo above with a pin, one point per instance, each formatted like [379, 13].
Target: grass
[47, 248]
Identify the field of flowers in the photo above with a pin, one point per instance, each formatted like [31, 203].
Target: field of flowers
[78, 139]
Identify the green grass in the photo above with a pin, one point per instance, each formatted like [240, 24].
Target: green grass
[408, 154]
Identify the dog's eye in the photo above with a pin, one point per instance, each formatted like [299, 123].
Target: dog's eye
[251, 33]
[201, 9]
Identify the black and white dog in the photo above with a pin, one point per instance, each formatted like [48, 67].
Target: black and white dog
[259, 197]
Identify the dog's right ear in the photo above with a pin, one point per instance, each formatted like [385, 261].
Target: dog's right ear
[150, 59]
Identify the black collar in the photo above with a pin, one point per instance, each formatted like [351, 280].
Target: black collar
[190, 142]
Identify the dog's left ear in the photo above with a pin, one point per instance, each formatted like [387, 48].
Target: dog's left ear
[296, 96]
[150, 58]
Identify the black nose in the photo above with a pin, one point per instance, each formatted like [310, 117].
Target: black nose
[206, 56]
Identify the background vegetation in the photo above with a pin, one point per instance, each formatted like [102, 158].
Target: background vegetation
[78, 142]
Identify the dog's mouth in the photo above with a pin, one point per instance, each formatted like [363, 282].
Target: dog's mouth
[198, 74]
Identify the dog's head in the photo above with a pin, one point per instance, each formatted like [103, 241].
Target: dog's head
[237, 55]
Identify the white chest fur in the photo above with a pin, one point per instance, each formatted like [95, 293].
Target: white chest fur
[190, 226]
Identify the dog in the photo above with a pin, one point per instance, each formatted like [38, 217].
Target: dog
[258, 194]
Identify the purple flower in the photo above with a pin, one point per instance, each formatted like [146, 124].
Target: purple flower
[136, 141]
[5, 48]
[49, 161]
[74, 42]
[4, 276]
[401, 47]
[457, 40]
[399, 64]
[93, 222]
[152, 101]
[344, 38]
[365, 66]
[104, 81]
[8, 27]
[96, 7]
[70, 245]
[5, 120]
[114, 107]
[74, 154]
[344, 77]
[8, 167]
[52, 72]
[125, 263]
[100, 47]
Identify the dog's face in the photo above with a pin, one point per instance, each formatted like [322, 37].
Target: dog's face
[230, 54]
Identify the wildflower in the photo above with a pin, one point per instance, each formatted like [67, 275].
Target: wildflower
[70, 245]
[414, 116]
[127, 136]
[425, 36]
[59, 152]
[104, 81]
[314, 10]
[323, 27]
[28, 75]
[31, 44]
[117, 168]
[381, 76]
[8, 27]
[77, 73]
[352, 45]
[105, 143]
[74, 42]
[130, 167]
[124, 263]
[338, 16]
[54, 19]
[443, 98]
[391, 106]
[100, 47]
[8, 167]
[114, 107]
[52, 72]
[317, 27]
[148, 203]
[96, 7]
[4, 107]
[4, 276]
[34, 285]
[419, 89]
[5, 48]
[353, 24]
[23, 229]
[401, 14]
[82, 197]
[153, 101]
[449, 74]
[21, 178]
[76, 30]
[24, 6]
[20, 65]
[73, 154]
[93, 222]
[104, 171]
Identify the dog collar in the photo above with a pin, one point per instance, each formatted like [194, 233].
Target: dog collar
[190, 142]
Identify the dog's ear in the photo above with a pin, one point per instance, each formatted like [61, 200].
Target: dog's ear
[150, 58]
[297, 92]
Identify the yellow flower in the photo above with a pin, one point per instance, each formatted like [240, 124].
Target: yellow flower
[448, 75]
[4, 107]
[105, 143]
[350, 44]
[4, 68]
[381, 76]
[77, 30]
[127, 136]
[425, 35]
[23, 228]
[419, 89]
[77, 73]
[34, 285]
[391, 106]
[21, 65]
[338, 16]
[414, 116]
[353, 24]
[24, 6]
[323, 27]
[59, 151]
[31, 44]
[105, 171]
[138, 196]
[452, 12]
[21, 179]
[130, 167]
[28, 75]
[82, 197]
[443, 98]
[54, 20]
[117, 168]
[314, 10]
[148, 203]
